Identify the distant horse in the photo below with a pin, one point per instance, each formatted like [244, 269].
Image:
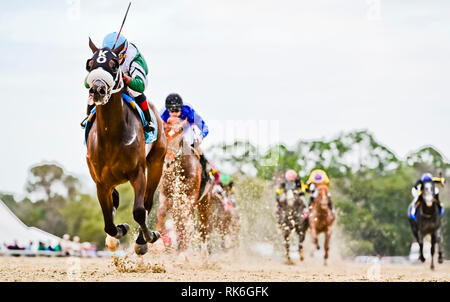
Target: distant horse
[291, 215]
[182, 189]
[321, 219]
[427, 222]
[225, 218]
[116, 149]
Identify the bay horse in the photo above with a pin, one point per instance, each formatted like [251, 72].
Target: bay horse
[427, 222]
[291, 215]
[225, 218]
[116, 149]
[321, 219]
[182, 191]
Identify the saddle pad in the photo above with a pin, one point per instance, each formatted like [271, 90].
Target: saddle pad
[149, 137]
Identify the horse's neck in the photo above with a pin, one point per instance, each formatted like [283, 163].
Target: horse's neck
[110, 117]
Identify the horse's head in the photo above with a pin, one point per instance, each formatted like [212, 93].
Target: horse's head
[174, 134]
[428, 193]
[104, 73]
[322, 196]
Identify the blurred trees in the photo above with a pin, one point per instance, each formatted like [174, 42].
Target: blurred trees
[370, 186]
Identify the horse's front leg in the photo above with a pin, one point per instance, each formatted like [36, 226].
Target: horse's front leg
[108, 198]
[139, 211]
[433, 243]
[327, 244]
[438, 240]
[420, 241]
[204, 213]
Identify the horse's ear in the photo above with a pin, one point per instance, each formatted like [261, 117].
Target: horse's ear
[117, 50]
[92, 46]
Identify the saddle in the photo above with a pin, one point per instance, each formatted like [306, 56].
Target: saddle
[150, 137]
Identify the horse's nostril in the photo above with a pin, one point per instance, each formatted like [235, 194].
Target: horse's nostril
[101, 90]
[91, 90]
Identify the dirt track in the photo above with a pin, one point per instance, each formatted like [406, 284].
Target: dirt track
[217, 268]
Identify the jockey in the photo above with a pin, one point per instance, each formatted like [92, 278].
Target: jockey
[225, 186]
[135, 71]
[318, 176]
[291, 181]
[196, 129]
[416, 190]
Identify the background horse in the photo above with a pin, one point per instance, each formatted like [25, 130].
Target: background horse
[225, 218]
[291, 216]
[321, 219]
[428, 222]
[182, 190]
[116, 150]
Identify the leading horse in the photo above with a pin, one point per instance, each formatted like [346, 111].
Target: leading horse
[427, 221]
[321, 219]
[182, 190]
[116, 149]
[291, 215]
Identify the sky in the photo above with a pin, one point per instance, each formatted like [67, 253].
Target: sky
[288, 70]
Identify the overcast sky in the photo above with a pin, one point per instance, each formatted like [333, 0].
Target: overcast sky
[312, 68]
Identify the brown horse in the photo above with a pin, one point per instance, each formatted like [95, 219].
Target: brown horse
[116, 150]
[321, 219]
[180, 190]
[225, 218]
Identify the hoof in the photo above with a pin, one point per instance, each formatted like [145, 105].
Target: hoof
[122, 230]
[440, 260]
[422, 259]
[140, 249]
[432, 267]
[111, 243]
[302, 258]
[151, 236]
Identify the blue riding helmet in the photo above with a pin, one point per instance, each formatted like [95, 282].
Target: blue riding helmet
[426, 177]
[110, 39]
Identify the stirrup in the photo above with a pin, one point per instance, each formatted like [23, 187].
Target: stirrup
[149, 127]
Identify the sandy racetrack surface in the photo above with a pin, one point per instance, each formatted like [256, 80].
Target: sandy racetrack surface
[219, 267]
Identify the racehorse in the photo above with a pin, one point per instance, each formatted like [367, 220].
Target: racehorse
[182, 190]
[321, 219]
[225, 218]
[427, 222]
[291, 215]
[116, 149]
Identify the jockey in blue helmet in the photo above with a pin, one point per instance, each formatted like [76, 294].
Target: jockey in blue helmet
[135, 71]
[417, 189]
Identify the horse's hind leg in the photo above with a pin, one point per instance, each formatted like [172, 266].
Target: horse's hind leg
[108, 198]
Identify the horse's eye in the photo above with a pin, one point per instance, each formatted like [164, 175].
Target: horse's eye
[89, 64]
[113, 64]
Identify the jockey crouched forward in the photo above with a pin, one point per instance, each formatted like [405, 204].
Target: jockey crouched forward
[318, 177]
[195, 129]
[419, 185]
[291, 182]
[134, 74]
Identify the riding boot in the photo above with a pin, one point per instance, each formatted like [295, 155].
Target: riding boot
[142, 101]
[204, 163]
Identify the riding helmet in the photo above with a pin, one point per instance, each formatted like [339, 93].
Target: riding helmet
[110, 39]
[290, 175]
[174, 100]
[225, 179]
[426, 177]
